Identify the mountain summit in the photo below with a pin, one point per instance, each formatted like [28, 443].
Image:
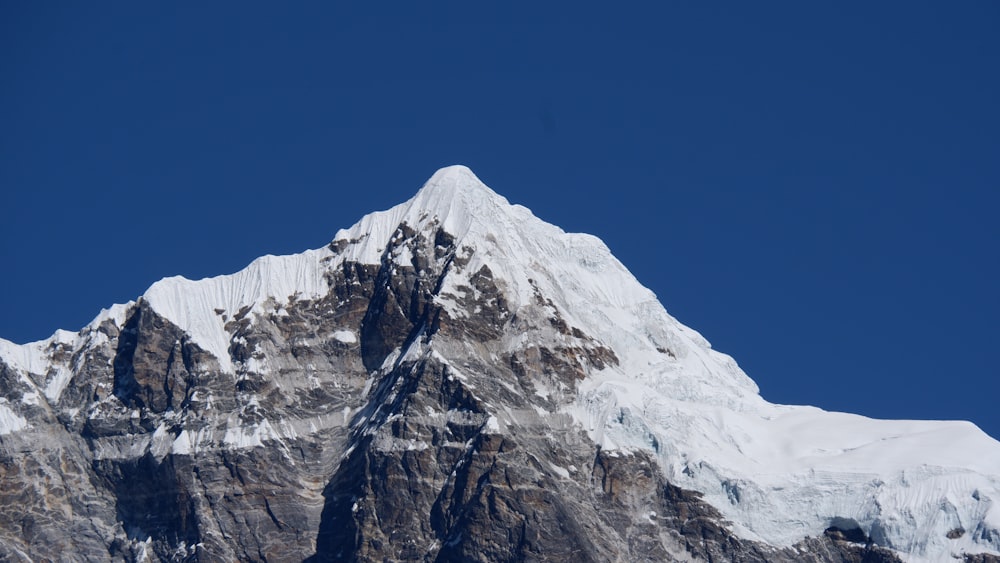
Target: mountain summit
[452, 379]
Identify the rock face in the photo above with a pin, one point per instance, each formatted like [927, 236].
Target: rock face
[448, 380]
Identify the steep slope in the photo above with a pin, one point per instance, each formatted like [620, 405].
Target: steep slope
[452, 379]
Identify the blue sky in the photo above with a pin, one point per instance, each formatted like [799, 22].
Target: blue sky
[813, 187]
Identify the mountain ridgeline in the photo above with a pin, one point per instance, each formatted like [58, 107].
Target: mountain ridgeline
[452, 379]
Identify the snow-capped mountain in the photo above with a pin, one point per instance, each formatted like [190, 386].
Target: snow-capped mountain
[452, 379]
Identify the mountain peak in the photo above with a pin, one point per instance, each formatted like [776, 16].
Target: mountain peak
[456, 175]
[424, 336]
[451, 183]
[456, 198]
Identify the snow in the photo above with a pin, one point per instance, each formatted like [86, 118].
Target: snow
[345, 336]
[192, 305]
[783, 472]
[792, 469]
[777, 472]
[559, 470]
[182, 444]
[274, 280]
[143, 548]
[26, 358]
[10, 421]
[58, 383]
[256, 364]
[241, 437]
[492, 425]
[34, 359]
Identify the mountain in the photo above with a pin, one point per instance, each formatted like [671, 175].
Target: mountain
[452, 380]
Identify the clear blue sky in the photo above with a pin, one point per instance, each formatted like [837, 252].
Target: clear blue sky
[813, 186]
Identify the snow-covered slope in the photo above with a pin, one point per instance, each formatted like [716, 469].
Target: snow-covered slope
[777, 473]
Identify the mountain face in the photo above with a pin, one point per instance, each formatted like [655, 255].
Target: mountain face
[452, 380]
